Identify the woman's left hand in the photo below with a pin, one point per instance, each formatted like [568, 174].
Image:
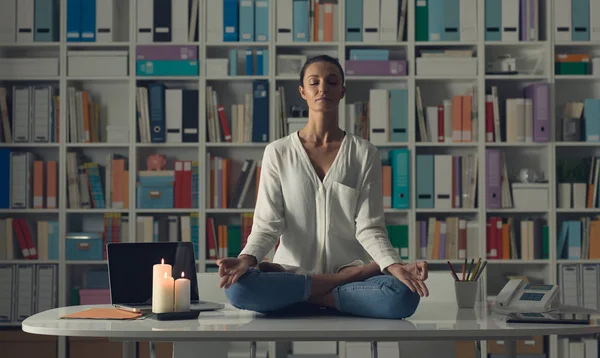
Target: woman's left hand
[412, 275]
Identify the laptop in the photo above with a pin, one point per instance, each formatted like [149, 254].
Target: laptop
[130, 273]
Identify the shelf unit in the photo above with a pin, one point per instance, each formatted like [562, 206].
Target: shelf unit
[124, 89]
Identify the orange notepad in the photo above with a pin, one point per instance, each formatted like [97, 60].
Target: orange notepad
[103, 313]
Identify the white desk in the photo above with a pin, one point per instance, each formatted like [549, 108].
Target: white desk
[433, 321]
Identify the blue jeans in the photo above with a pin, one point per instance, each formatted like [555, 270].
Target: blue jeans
[284, 293]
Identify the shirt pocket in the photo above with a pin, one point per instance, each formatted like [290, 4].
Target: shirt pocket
[342, 209]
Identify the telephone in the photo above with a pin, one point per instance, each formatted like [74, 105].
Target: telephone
[518, 296]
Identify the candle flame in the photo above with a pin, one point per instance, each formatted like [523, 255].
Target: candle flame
[182, 274]
[165, 275]
[162, 261]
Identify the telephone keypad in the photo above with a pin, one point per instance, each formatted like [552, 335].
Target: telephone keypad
[531, 296]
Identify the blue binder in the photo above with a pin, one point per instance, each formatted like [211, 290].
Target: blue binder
[233, 62]
[451, 20]
[580, 13]
[300, 22]
[370, 54]
[399, 115]
[493, 20]
[425, 184]
[246, 20]
[592, 119]
[88, 21]
[436, 20]
[5, 178]
[400, 162]
[354, 20]
[261, 20]
[45, 21]
[260, 111]
[74, 20]
[249, 63]
[259, 63]
[230, 21]
[574, 238]
[156, 94]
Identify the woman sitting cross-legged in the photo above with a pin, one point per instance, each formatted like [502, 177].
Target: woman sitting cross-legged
[320, 195]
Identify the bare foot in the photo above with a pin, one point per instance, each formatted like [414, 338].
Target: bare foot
[361, 273]
[270, 267]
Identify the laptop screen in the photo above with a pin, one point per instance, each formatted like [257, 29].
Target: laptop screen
[130, 268]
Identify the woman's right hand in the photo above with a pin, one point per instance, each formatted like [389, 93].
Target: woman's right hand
[231, 269]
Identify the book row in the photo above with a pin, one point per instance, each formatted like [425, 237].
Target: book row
[20, 239]
[512, 239]
[576, 239]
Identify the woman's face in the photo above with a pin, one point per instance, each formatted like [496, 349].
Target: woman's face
[323, 88]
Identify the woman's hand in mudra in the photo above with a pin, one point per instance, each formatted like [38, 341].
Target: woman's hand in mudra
[412, 275]
[231, 269]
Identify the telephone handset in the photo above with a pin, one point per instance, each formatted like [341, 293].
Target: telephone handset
[518, 296]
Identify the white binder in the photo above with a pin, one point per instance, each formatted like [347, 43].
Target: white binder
[285, 20]
[106, 16]
[379, 105]
[510, 20]
[25, 291]
[594, 21]
[371, 10]
[46, 288]
[389, 21]
[145, 21]
[443, 183]
[25, 14]
[589, 286]
[468, 20]
[180, 15]
[562, 21]
[7, 293]
[174, 114]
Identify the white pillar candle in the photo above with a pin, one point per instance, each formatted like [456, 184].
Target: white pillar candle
[158, 273]
[182, 294]
[164, 294]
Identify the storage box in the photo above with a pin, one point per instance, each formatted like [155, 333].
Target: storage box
[167, 67]
[155, 192]
[84, 246]
[28, 67]
[530, 196]
[94, 296]
[97, 63]
[117, 134]
[376, 68]
[446, 66]
[217, 67]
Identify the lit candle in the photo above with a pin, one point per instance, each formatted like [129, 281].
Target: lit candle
[182, 294]
[158, 273]
[164, 295]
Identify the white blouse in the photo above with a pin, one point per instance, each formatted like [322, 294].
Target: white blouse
[322, 225]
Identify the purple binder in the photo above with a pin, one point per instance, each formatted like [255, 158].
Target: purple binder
[376, 67]
[493, 179]
[169, 52]
[423, 233]
[539, 93]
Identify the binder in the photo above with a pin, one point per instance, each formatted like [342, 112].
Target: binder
[46, 21]
[425, 185]
[25, 291]
[581, 20]
[436, 19]
[451, 20]
[190, 118]
[379, 115]
[162, 17]
[46, 288]
[174, 114]
[510, 20]
[301, 13]
[7, 293]
[400, 161]
[180, 23]
[493, 181]
[249, 63]
[156, 94]
[88, 21]
[442, 181]
[493, 20]
[468, 20]
[21, 112]
[595, 21]
[562, 20]
[592, 122]
[261, 20]
[570, 285]
[106, 16]
[285, 20]
[398, 115]
[422, 20]
[589, 284]
[231, 13]
[145, 21]
[371, 18]
[246, 20]
[214, 22]
[8, 22]
[25, 20]
[389, 20]
[42, 112]
[260, 111]
[539, 93]
[354, 20]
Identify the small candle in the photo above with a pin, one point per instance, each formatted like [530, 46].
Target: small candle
[158, 273]
[182, 294]
[164, 295]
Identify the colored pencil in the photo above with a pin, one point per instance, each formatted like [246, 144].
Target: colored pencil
[475, 270]
[470, 268]
[463, 269]
[453, 272]
[480, 270]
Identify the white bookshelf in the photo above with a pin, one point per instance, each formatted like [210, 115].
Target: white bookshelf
[117, 96]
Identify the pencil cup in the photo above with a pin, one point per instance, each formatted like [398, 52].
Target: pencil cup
[466, 293]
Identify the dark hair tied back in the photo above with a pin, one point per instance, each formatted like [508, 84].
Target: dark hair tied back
[320, 58]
